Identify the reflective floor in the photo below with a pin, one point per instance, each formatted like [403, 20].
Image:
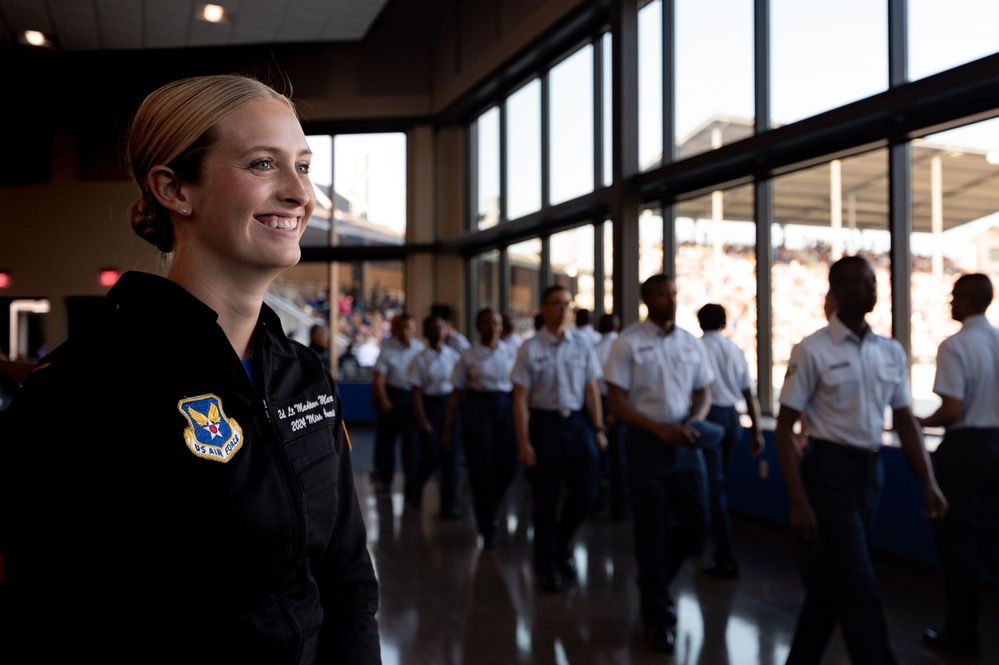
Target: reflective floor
[444, 600]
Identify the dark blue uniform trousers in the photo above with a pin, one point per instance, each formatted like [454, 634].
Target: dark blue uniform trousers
[397, 423]
[431, 456]
[716, 459]
[566, 457]
[967, 469]
[670, 505]
[843, 485]
[490, 449]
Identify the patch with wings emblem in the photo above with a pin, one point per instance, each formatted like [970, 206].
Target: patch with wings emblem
[210, 433]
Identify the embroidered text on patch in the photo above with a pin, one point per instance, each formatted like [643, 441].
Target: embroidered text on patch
[210, 433]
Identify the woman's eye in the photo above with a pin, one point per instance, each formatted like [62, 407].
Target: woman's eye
[305, 168]
[262, 165]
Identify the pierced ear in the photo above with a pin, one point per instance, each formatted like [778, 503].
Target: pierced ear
[165, 186]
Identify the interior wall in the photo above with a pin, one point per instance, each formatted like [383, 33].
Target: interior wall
[66, 190]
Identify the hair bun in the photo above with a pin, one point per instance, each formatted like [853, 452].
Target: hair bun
[151, 223]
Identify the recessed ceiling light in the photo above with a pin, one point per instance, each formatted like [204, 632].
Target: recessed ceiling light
[213, 13]
[35, 38]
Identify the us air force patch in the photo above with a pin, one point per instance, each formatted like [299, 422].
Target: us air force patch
[210, 434]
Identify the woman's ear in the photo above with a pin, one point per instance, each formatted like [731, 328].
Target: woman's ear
[164, 185]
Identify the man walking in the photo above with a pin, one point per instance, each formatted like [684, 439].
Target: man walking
[559, 423]
[842, 378]
[658, 380]
[967, 463]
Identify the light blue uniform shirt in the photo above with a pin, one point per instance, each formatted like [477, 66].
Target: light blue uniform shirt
[431, 370]
[968, 370]
[555, 373]
[394, 359]
[843, 384]
[659, 371]
[483, 369]
[730, 368]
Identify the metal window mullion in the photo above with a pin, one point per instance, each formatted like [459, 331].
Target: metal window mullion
[898, 43]
[900, 232]
[763, 203]
[503, 185]
[545, 142]
[669, 80]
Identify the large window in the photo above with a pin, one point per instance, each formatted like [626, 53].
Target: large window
[523, 149]
[821, 214]
[650, 85]
[751, 212]
[487, 192]
[524, 259]
[955, 201]
[716, 263]
[947, 34]
[360, 186]
[572, 264]
[571, 121]
[714, 74]
[826, 54]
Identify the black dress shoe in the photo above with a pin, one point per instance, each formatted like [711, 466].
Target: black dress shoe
[661, 639]
[941, 642]
[550, 583]
[727, 570]
[568, 569]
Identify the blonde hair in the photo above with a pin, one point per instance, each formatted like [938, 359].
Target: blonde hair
[176, 127]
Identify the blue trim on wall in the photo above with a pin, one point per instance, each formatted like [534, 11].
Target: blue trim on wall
[899, 527]
[355, 399]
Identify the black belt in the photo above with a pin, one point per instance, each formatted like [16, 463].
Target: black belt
[843, 449]
[557, 413]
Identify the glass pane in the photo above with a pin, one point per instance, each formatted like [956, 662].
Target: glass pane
[608, 110]
[650, 244]
[525, 282]
[826, 54]
[955, 198]
[488, 161]
[485, 270]
[608, 231]
[650, 85]
[523, 170]
[572, 264]
[369, 179]
[571, 122]
[821, 214]
[317, 233]
[714, 74]
[943, 35]
[716, 263]
[370, 294]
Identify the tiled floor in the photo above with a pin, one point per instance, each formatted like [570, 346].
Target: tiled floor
[446, 601]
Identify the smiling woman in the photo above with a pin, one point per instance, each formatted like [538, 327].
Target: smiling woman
[221, 523]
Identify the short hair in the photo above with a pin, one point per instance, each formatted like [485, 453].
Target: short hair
[583, 317]
[608, 323]
[443, 311]
[977, 288]
[539, 321]
[485, 311]
[429, 321]
[711, 317]
[839, 267]
[177, 126]
[554, 288]
[653, 281]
